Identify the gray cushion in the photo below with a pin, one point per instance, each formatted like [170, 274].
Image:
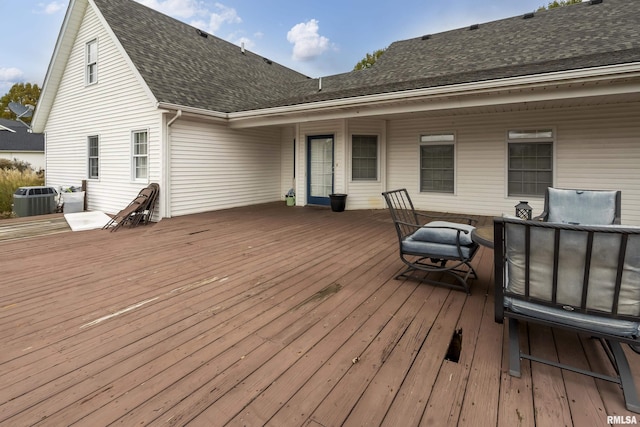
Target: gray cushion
[433, 232]
[571, 268]
[581, 206]
[623, 328]
[435, 250]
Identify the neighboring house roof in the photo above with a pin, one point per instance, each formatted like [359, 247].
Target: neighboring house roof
[183, 69]
[15, 136]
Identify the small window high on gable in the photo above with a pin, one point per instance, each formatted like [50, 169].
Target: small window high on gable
[91, 66]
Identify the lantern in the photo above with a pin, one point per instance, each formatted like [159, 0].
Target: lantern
[523, 210]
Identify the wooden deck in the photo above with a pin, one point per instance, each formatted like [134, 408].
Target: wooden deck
[268, 315]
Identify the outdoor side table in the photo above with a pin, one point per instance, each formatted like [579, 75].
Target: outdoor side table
[483, 236]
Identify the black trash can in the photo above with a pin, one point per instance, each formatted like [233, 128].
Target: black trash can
[338, 202]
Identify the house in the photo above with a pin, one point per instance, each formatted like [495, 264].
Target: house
[17, 142]
[470, 120]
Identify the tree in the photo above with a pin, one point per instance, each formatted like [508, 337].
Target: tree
[23, 93]
[369, 60]
[561, 3]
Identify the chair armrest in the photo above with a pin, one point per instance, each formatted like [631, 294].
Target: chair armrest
[467, 220]
[418, 226]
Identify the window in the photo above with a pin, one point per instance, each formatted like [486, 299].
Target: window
[140, 158]
[94, 153]
[530, 162]
[91, 72]
[364, 158]
[437, 163]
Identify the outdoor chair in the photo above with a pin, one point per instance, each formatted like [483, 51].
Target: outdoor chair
[593, 207]
[433, 244]
[581, 278]
[137, 212]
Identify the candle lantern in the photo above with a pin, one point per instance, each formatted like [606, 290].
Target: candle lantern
[523, 210]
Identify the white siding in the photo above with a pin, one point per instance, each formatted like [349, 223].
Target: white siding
[596, 148]
[214, 167]
[111, 109]
[287, 161]
[366, 194]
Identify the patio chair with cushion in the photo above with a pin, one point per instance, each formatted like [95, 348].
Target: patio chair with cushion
[439, 246]
[593, 207]
[581, 278]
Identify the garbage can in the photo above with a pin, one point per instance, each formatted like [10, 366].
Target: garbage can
[338, 202]
[36, 200]
[291, 200]
[73, 202]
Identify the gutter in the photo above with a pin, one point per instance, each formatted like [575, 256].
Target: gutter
[336, 107]
[514, 83]
[223, 117]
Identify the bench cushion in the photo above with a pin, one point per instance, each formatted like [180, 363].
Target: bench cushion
[605, 325]
[435, 250]
[432, 232]
[581, 206]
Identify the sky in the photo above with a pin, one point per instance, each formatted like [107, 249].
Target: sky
[316, 38]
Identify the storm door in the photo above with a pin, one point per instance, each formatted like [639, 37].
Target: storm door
[320, 169]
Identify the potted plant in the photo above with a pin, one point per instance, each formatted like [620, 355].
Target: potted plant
[338, 202]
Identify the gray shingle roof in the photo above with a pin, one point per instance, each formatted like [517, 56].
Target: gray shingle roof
[21, 139]
[183, 68]
[560, 39]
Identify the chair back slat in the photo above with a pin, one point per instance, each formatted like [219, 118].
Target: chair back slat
[587, 269]
[402, 212]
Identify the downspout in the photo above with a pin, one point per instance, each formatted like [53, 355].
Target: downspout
[167, 166]
[176, 117]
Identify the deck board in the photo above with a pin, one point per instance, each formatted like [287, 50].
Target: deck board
[265, 315]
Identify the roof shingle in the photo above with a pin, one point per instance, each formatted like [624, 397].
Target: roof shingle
[183, 68]
[21, 139]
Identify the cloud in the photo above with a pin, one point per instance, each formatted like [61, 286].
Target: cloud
[9, 77]
[10, 74]
[223, 15]
[176, 8]
[307, 43]
[196, 12]
[52, 7]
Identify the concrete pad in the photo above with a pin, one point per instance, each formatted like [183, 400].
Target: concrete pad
[79, 221]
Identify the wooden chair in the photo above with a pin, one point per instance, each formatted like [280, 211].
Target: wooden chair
[432, 244]
[584, 279]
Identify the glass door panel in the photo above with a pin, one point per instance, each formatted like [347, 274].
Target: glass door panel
[320, 167]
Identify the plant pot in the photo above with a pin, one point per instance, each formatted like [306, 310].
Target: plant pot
[338, 202]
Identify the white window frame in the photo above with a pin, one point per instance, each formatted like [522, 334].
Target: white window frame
[91, 158]
[135, 157]
[91, 62]
[438, 139]
[377, 177]
[541, 135]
